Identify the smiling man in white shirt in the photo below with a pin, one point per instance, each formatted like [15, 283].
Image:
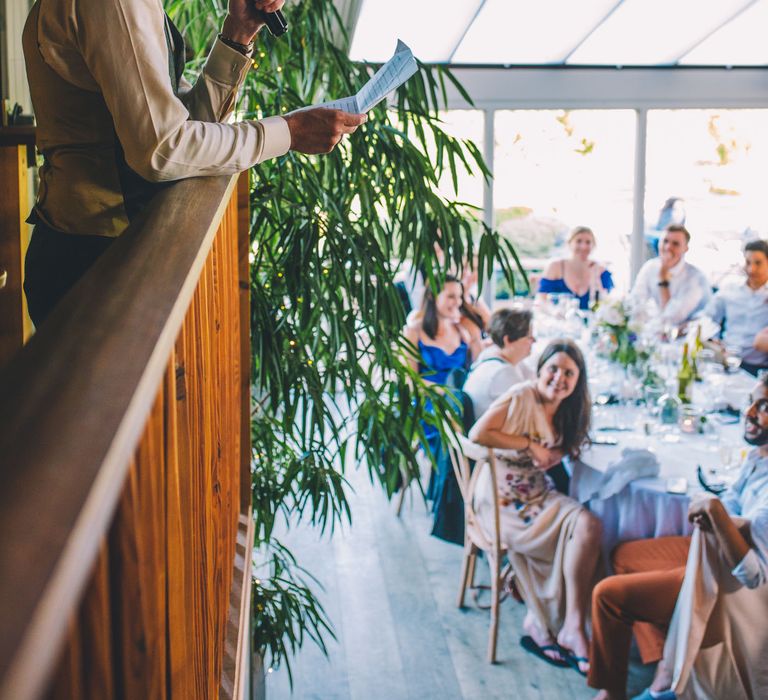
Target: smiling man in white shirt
[679, 289]
[742, 310]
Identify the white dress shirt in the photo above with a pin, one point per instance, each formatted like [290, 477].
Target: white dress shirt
[689, 290]
[99, 71]
[748, 498]
[745, 313]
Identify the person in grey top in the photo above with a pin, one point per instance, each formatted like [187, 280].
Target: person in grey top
[742, 310]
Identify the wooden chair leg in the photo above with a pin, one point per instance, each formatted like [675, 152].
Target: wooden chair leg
[467, 563]
[495, 596]
[472, 567]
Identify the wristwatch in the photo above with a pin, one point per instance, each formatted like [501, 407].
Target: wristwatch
[663, 283]
[244, 49]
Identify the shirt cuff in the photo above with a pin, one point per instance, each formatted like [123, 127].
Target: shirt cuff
[747, 571]
[225, 65]
[277, 137]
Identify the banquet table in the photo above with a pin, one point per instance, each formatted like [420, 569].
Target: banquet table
[644, 507]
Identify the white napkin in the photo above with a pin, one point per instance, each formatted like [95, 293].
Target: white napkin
[634, 464]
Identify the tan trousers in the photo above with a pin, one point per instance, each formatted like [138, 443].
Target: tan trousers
[640, 597]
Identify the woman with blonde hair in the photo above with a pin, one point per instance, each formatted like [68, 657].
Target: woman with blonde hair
[578, 275]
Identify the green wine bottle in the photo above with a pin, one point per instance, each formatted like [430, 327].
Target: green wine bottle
[685, 378]
[698, 346]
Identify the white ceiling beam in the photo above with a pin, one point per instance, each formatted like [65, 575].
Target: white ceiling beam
[610, 88]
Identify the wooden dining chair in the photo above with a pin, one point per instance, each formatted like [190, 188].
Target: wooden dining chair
[476, 537]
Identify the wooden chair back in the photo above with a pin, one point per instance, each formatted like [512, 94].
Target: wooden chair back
[463, 452]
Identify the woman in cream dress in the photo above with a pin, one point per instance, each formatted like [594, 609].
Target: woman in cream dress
[553, 541]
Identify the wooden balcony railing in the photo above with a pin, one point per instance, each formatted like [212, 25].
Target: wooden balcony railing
[125, 523]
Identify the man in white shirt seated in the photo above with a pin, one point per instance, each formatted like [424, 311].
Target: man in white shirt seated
[679, 289]
[742, 310]
[642, 596]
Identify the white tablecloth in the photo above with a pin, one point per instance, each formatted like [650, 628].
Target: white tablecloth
[644, 508]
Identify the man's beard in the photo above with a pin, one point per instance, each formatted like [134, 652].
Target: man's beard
[759, 438]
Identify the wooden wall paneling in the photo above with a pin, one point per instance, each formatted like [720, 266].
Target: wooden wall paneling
[244, 284]
[220, 478]
[67, 682]
[206, 439]
[180, 579]
[227, 360]
[14, 205]
[138, 568]
[219, 403]
[96, 624]
[84, 669]
[194, 495]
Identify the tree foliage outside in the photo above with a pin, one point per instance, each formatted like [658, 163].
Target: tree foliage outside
[331, 386]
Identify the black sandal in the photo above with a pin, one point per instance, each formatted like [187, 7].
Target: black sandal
[528, 643]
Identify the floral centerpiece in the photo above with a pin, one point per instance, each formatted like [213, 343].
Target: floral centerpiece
[614, 316]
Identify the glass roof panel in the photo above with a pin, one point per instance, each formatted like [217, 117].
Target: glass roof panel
[587, 32]
[741, 42]
[381, 24]
[654, 32]
[525, 32]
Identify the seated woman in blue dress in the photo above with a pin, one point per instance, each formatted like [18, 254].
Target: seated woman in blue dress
[578, 275]
[445, 345]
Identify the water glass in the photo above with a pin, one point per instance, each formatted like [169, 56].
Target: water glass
[652, 393]
[732, 359]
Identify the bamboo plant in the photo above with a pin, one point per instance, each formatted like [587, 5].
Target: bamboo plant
[331, 385]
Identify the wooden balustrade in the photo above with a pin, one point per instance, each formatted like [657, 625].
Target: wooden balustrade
[125, 480]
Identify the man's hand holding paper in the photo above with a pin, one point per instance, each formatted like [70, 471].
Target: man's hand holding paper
[319, 128]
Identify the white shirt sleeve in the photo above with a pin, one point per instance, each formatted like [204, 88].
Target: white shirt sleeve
[751, 570]
[689, 299]
[164, 138]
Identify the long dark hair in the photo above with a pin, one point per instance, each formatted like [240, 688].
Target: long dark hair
[429, 307]
[472, 315]
[573, 415]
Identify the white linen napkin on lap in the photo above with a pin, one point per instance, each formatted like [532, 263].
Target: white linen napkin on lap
[634, 464]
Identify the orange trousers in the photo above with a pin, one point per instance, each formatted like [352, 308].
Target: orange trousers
[641, 598]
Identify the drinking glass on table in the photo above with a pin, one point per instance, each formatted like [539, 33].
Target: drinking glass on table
[652, 393]
[731, 458]
[732, 358]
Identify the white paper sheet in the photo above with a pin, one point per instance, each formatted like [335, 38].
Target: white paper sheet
[387, 79]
